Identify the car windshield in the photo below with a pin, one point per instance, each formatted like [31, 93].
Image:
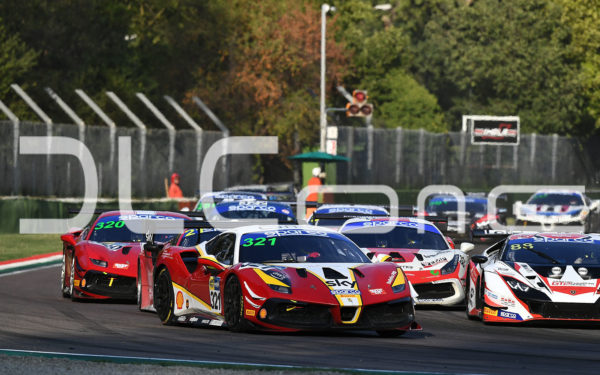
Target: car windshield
[553, 251]
[556, 199]
[398, 238]
[445, 205]
[113, 229]
[327, 248]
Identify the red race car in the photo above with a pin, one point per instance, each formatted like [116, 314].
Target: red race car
[435, 269]
[281, 278]
[100, 260]
[196, 231]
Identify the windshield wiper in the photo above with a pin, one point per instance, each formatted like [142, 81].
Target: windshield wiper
[543, 255]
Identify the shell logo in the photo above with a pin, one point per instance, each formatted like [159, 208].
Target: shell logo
[179, 300]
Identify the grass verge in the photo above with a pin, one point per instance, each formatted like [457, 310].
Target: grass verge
[16, 246]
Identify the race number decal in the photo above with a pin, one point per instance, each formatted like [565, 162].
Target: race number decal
[215, 293]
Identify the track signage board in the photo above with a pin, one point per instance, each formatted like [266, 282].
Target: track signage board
[498, 130]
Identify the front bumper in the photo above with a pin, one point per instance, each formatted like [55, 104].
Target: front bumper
[106, 285]
[396, 314]
[446, 292]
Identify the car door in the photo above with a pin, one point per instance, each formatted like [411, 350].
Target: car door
[205, 282]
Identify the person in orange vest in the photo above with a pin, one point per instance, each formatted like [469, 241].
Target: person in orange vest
[174, 189]
[313, 195]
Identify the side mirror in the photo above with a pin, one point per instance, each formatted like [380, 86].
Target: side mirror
[210, 266]
[594, 205]
[69, 238]
[465, 247]
[479, 259]
[152, 248]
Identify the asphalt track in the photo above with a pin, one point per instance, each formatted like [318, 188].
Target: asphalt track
[33, 316]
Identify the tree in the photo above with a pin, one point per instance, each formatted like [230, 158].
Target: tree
[16, 59]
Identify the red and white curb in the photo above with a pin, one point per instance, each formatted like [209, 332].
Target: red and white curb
[35, 261]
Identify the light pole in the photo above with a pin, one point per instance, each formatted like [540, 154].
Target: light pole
[323, 116]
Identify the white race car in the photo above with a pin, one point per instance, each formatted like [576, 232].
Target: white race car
[435, 269]
[551, 208]
[536, 276]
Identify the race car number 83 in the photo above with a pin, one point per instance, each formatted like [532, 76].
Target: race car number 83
[518, 246]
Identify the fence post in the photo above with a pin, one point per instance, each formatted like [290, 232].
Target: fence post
[111, 124]
[15, 120]
[166, 123]
[48, 121]
[554, 151]
[349, 152]
[142, 129]
[399, 137]
[194, 125]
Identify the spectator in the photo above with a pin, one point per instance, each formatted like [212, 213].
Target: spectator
[314, 181]
[174, 189]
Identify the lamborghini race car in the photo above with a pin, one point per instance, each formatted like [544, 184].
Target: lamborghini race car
[434, 268]
[281, 278]
[99, 261]
[543, 276]
[334, 215]
[195, 232]
[552, 208]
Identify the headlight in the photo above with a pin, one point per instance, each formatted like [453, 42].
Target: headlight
[281, 289]
[517, 285]
[399, 281]
[450, 266]
[99, 263]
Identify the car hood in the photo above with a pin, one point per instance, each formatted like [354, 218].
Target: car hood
[121, 256]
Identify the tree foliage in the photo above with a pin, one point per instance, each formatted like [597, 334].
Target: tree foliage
[256, 63]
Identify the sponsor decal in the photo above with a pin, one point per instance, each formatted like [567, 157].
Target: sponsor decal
[377, 292]
[121, 265]
[392, 277]
[295, 232]
[214, 283]
[193, 319]
[76, 282]
[345, 292]
[250, 312]
[491, 295]
[181, 319]
[573, 283]
[187, 303]
[351, 210]
[346, 283]
[434, 262]
[140, 216]
[252, 207]
[430, 300]
[277, 275]
[488, 311]
[179, 300]
[507, 302]
[434, 272]
[509, 315]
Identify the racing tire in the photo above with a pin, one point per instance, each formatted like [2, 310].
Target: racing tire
[233, 306]
[72, 280]
[64, 288]
[139, 287]
[164, 301]
[390, 333]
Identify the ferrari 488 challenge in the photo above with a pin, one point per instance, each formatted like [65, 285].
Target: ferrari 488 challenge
[282, 278]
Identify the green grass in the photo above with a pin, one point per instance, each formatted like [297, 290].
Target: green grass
[15, 246]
